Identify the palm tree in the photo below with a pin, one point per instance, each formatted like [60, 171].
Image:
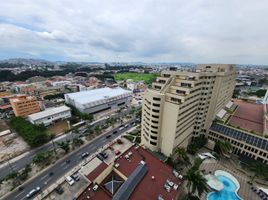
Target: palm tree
[182, 156]
[195, 183]
[259, 169]
[223, 147]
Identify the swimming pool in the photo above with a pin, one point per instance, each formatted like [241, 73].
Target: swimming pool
[229, 191]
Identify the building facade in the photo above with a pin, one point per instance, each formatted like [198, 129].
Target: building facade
[99, 100]
[24, 105]
[50, 115]
[182, 104]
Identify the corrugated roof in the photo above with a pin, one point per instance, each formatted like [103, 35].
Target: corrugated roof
[89, 96]
[48, 112]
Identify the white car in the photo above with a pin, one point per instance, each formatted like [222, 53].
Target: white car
[33, 192]
[95, 187]
[69, 180]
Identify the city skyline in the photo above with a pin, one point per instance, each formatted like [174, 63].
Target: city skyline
[151, 31]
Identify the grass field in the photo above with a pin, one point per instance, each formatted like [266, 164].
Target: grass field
[147, 78]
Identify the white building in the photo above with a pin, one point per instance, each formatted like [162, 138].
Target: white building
[99, 100]
[50, 115]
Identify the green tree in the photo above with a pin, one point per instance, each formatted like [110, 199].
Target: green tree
[260, 170]
[78, 142]
[182, 157]
[34, 135]
[64, 146]
[195, 183]
[223, 147]
[42, 158]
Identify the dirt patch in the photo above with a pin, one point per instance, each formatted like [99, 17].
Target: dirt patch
[11, 146]
[3, 126]
[58, 127]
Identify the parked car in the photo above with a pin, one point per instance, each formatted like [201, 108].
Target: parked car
[117, 152]
[69, 180]
[33, 192]
[75, 177]
[59, 189]
[104, 155]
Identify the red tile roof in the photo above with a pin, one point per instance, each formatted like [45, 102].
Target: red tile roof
[96, 172]
[248, 116]
[148, 188]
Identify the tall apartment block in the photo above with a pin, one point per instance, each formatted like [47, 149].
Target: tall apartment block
[182, 104]
[24, 105]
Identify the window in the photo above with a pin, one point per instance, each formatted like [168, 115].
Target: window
[156, 104]
[153, 137]
[157, 111]
[156, 99]
[153, 143]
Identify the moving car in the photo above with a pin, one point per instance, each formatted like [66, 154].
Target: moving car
[84, 155]
[33, 192]
[115, 132]
[108, 136]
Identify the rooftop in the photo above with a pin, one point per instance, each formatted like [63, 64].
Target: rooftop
[248, 116]
[150, 185]
[48, 112]
[90, 96]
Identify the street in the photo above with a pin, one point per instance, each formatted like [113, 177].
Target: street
[59, 169]
[27, 159]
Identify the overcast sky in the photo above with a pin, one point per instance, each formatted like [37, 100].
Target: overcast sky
[200, 31]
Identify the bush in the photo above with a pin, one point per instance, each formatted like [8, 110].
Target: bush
[34, 135]
[129, 137]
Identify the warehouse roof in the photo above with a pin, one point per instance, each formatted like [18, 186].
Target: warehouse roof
[48, 112]
[89, 96]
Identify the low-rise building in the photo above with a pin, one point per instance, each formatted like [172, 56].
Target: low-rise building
[51, 115]
[246, 128]
[136, 174]
[99, 100]
[24, 105]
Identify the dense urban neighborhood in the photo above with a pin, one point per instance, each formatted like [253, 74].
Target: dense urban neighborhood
[112, 131]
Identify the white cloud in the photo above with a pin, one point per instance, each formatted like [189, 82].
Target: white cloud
[231, 31]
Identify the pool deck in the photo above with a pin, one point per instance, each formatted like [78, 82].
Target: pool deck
[244, 192]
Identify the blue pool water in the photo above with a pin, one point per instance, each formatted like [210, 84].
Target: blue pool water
[227, 193]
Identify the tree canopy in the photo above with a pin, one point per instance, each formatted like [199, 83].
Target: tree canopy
[34, 135]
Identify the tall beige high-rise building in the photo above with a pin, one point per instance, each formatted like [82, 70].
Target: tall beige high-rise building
[24, 105]
[182, 104]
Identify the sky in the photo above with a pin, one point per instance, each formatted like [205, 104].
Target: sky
[199, 31]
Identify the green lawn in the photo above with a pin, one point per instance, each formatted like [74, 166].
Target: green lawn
[147, 78]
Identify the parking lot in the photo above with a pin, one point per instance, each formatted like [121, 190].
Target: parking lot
[68, 191]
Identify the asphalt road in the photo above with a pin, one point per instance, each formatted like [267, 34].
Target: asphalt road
[27, 159]
[44, 180]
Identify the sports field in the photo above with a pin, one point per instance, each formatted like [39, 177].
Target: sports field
[147, 78]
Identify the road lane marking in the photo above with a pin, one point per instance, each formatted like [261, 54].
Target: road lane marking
[19, 194]
[43, 177]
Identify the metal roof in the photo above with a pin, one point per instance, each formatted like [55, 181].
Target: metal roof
[48, 112]
[90, 96]
[130, 184]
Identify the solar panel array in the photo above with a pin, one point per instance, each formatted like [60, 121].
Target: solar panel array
[241, 136]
